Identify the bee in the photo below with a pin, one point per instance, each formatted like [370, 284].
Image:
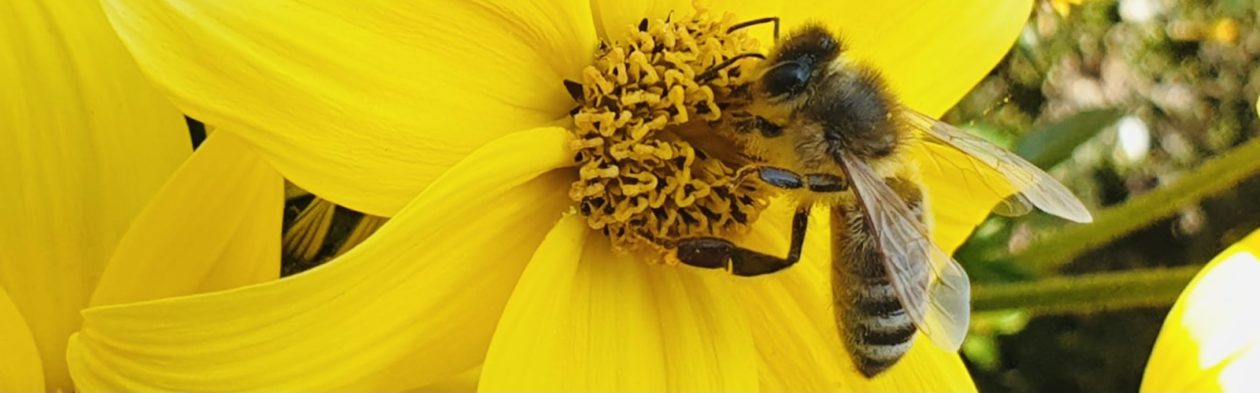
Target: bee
[826, 130]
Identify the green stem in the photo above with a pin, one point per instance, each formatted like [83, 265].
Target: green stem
[1086, 293]
[1214, 176]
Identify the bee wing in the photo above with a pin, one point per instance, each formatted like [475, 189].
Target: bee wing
[1013, 206]
[1033, 185]
[939, 306]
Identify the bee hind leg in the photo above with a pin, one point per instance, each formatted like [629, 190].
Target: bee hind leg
[713, 253]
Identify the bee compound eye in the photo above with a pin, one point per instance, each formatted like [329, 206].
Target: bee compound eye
[786, 79]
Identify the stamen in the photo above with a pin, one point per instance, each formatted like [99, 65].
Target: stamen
[641, 180]
[316, 230]
[307, 235]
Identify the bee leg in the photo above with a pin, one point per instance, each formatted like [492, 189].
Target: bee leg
[825, 182]
[779, 177]
[713, 253]
[816, 182]
[767, 128]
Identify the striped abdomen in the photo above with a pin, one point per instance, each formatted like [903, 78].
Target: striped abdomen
[875, 327]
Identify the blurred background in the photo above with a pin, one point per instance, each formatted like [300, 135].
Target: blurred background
[1147, 110]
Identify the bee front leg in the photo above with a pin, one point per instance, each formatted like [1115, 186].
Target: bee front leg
[713, 253]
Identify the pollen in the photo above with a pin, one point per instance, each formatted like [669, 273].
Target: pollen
[644, 101]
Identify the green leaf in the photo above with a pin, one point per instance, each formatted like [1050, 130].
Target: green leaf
[982, 351]
[1049, 145]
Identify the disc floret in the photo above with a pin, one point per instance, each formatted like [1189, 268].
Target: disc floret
[644, 100]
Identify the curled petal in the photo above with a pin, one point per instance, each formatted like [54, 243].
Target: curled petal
[219, 216]
[413, 304]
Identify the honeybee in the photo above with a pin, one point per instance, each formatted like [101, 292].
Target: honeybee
[826, 130]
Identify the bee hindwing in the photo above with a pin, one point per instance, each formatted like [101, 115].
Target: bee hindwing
[877, 329]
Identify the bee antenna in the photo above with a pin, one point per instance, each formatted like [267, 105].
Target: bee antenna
[755, 22]
[712, 71]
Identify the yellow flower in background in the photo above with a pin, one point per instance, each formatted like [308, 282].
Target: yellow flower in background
[1064, 7]
[86, 143]
[451, 118]
[1210, 341]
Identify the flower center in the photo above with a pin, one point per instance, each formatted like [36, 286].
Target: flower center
[652, 165]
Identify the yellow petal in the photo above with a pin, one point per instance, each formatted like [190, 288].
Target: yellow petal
[84, 144]
[927, 368]
[799, 347]
[583, 318]
[931, 52]
[414, 303]
[615, 19]
[462, 382]
[1210, 342]
[365, 102]
[789, 311]
[20, 369]
[215, 225]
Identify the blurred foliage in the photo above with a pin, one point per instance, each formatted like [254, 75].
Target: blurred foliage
[1122, 99]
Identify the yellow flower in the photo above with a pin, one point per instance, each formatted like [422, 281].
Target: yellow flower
[451, 118]
[1211, 339]
[85, 143]
[1064, 7]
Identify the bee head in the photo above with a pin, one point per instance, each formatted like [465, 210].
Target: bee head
[798, 59]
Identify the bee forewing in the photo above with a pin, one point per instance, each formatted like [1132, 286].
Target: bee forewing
[1035, 185]
[940, 304]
